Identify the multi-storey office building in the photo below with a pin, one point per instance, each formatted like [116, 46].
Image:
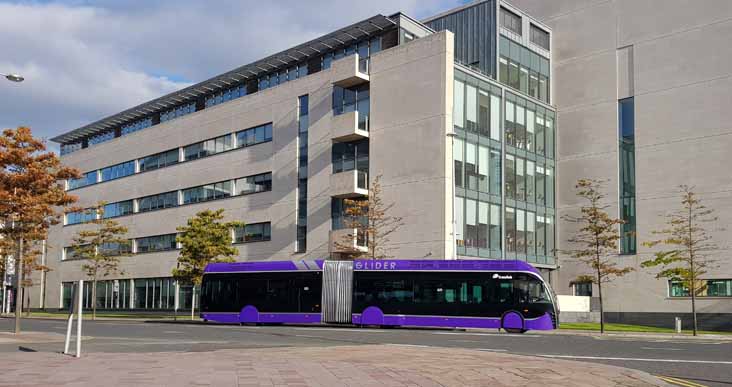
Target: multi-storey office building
[453, 114]
[461, 126]
[643, 101]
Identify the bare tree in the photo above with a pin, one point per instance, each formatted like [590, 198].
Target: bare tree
[596, 240]
[371, 219]
[690, 247]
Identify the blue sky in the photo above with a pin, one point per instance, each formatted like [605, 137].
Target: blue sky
[84, 60]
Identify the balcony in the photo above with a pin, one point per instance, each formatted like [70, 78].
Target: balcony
[350, 71]
[347, 241]
[349, 184]
[349, 127]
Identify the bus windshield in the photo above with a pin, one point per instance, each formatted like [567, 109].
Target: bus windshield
[530, 291]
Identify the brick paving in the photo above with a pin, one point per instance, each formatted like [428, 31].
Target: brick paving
[370, 365]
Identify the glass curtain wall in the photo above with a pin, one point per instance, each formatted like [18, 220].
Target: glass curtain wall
[477, 166]
[497, 185]
[131, 294]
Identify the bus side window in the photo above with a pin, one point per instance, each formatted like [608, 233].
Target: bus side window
[505, 292]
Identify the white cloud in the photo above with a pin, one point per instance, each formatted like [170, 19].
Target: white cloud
[84, 62]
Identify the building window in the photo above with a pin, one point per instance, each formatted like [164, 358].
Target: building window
[78, 217]
[226, 95]
[207, 148]
[116, 248]
[159, 160]
[88, 178]
[157, 202]
[156, 243]
[708, 288]
[539, 37]
[626, 120]
[70, 148]
[351, 99]
[113, 210]
[101, 137]
[135, 126]
[178, 112]
[111, 294]
[583, 289]
[254, 136]
[207, 192]
[523, 69]
[253, 184]
[510, 21]
[117, 171]
[349, 156]
[70, 253]
[254, 232]
[302, 174]
[339, 218]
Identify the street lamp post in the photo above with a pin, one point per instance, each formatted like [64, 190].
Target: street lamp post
[452, 136]
[13, 77]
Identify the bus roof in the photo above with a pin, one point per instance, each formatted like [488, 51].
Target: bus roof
[377, 265]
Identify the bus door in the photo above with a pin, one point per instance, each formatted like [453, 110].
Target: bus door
[337, 291]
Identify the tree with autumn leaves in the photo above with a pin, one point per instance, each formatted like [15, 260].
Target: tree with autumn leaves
[690, 251]
[370, 219]
[30, 195]
[101, 245]
[204, 239]
[595, 242]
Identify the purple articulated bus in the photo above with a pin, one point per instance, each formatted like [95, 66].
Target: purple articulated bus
[433, 293]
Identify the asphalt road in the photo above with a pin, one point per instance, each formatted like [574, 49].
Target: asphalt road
[704, 361]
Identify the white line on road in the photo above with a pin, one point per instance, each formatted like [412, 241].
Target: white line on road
[410, 345]
[633, 359]
[492, 350]
[172, 332]
[343, 330]
[663, 349]
[483, 334]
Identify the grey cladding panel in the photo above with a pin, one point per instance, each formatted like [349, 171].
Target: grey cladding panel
[475, 35]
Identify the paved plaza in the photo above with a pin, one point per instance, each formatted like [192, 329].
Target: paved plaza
[369, 365]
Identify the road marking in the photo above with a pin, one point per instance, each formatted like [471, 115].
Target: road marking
[172, 332]
[633, 359]
[679, 381]
[409, 345]
[492, 350]
[484, 334]
[663, 349]
[343, 330]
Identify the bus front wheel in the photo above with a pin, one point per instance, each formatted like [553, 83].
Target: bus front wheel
[514, 330]
[513, 322]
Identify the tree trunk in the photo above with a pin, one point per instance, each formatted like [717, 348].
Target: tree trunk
[27, 304]
[19, 286]
[602, 310]
[94, 298]
[693, 307]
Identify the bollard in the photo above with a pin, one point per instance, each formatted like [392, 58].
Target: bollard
[678, 324]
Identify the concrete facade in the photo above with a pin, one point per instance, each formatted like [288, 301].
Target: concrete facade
[680, 79]
[416, 179]
[671, 59]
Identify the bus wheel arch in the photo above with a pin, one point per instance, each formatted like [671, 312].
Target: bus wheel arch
[249, 314]
[513, 321]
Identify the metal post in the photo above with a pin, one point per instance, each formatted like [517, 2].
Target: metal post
[19, 286]
[193, 301]
[70, 320]
[678, 324]
[78, 324]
